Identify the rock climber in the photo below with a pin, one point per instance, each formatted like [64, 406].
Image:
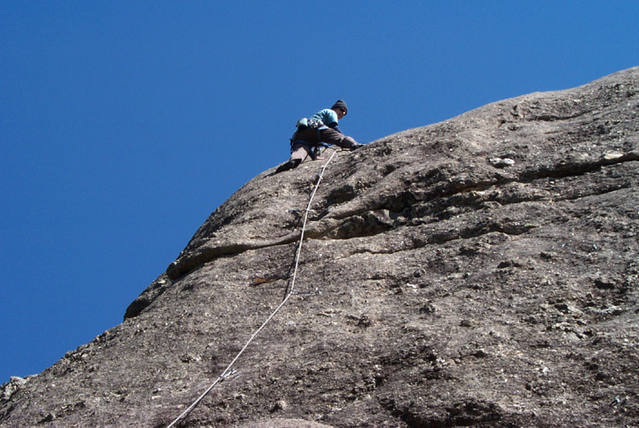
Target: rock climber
[312, 132]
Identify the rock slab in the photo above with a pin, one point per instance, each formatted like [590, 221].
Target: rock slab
[480, 271]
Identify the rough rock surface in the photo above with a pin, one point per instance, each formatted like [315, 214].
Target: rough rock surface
[479, 271]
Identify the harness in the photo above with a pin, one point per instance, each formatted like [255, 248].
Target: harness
[305, 125]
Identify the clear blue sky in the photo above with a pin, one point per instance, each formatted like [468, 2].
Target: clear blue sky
[124, 124]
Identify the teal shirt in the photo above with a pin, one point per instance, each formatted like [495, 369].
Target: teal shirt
[327, 116]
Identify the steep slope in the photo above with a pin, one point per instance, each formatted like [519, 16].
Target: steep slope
[479, 271]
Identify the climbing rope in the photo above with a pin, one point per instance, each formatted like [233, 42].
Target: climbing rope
[228, 370]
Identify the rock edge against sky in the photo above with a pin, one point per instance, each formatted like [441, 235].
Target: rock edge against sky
[479, 271]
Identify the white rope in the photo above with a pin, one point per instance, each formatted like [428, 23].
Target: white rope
[227, 371]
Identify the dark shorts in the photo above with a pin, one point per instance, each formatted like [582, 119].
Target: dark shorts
[313, 137]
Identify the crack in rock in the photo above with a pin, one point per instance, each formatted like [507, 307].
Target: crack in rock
[376, 218]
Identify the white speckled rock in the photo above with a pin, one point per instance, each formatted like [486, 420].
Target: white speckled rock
[479, 271]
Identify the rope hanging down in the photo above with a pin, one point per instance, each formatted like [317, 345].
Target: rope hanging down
[228, 370]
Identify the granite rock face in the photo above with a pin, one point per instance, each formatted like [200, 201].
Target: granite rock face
[479, 271]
